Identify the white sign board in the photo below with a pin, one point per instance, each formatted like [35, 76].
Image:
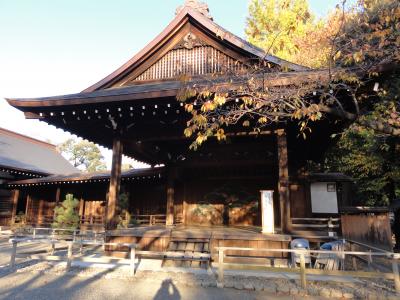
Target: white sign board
[324, 197]
[267, 212]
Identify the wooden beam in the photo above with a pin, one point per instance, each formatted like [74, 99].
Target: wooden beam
[140, 152]
[171, 176]
[15, 196]
[283, 184]
[115, 182]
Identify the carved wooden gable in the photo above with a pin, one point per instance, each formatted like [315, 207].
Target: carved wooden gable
[190, 57]
[193, 55]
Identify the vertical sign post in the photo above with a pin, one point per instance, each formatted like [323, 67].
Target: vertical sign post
[267, 212]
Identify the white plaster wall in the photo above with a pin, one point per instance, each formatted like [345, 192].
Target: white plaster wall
[323, 201]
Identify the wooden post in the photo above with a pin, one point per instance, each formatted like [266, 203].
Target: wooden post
[283, 184]
[370, 261]
[303, 278]
[58, 195]
[81, 210]
[185, 204]
[115, 182]
[170, 196]
[395, 268]
[220, 282]
[27, 208]
[133, 257]
[69, 255]
[13, 254]
[52, 248]
[353, 258]
[15, 197]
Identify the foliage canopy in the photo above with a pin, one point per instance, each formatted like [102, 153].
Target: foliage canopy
[361, 51]
[83, 154]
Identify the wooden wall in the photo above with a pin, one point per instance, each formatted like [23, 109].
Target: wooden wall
[300, 200]
[40, 205]
[5, 207]
[226, 201]
[202, 197]
[368, 228]
[146, 197]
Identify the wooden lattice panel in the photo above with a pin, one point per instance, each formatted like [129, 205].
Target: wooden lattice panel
[196, 61]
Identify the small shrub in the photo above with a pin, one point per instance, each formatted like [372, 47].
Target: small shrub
[67, 215]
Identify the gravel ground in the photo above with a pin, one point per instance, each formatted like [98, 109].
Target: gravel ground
[44, 280]
[39, 285]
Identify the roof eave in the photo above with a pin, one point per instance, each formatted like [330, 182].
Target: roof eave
[131, 93]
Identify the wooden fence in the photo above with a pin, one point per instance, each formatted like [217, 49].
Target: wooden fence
[323, 227]
[303, 271]
[59, 234]
[150, 219]
[70, 255]
[368, 227]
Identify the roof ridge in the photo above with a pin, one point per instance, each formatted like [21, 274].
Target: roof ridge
[26, 137]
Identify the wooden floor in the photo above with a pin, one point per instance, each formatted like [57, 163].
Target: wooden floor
[159, 238]
[220, 232]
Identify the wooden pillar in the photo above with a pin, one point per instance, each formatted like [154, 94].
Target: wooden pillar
[115, 182]
[185, 205]
[28, 207]
[81, 210]
[58, 195]
[171, 175]
[15, 196]
[283, 184]
[40, 217]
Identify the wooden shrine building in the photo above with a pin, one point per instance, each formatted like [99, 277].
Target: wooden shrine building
[134, 111]
[24, 158]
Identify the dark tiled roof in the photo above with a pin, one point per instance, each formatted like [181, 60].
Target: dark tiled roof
[27, 154]
[149, 173]
[329, 177]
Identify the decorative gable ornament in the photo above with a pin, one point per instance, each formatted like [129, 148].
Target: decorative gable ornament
[201, 7]
[189, 41]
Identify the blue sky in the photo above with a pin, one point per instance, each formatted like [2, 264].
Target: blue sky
[50, 47]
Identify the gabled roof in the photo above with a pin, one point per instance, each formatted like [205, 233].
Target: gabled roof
[198, 20]
[24, 153]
